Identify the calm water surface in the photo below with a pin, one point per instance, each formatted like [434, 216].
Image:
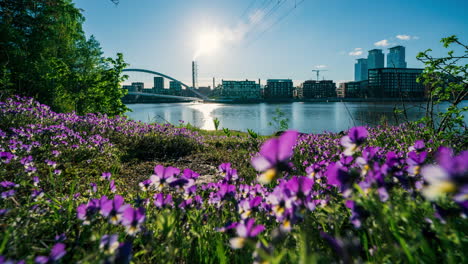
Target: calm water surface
[305, 117]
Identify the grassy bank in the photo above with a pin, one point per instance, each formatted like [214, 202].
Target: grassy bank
[95, 189]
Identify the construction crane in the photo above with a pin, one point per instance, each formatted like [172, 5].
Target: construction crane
[318, 71]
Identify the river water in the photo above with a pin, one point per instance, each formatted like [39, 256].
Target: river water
[304, 117]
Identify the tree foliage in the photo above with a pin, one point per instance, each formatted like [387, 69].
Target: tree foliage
[44, 53]
[446, 79]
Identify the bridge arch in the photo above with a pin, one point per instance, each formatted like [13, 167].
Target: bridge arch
[167, 77]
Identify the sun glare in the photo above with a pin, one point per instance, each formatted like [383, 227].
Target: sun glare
[209, 42]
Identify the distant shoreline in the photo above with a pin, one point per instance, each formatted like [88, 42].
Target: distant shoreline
[310, 100]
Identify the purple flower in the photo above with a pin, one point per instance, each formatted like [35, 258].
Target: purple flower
[6, 157]
[145, 185]
[274, 156]
[57, 252]
[246, 207]
[93, 187]
[109, 244]
[7, 194]
[112, 186]
[57, 172]
[299, 187]
[160, 201]
[8, 184]
[358, 214]
[113, 209]
[86, 212]
[356, 136]
[132, 219]
[245, 230]
[163, 176]
[106, 175]
[449, 176]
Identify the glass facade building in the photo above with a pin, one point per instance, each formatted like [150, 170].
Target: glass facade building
[395, 83]
[396, 57]
[319, 89]
[360, 70]
[375, 59]
[278, 88]
[356, 89]
[239, 90]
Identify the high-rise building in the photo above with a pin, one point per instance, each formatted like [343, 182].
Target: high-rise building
[319, 89]
[395, 83]
[396, 57]
[375, 59]
[279, 88]
[158, 83]
[360, 70]
[175, 88]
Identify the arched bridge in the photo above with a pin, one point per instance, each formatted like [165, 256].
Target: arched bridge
[200, 96]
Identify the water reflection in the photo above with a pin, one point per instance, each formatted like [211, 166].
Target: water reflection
[305, 117]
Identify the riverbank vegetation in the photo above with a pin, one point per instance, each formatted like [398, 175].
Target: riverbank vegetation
[99, 189]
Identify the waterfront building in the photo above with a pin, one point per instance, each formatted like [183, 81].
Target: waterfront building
[396, 57]
[128, 88]
[360, 70]
[341, 90]
[205, 90]
[138, 86]
[175, 88]
[356, 89]
[375, 59]
[278, 88]
[158, 83]
[395, 83]
[319, 89]
[239, 90]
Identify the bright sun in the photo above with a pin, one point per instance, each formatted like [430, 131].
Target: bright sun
[209, 42]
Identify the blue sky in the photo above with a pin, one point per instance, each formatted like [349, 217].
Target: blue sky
[232, 41]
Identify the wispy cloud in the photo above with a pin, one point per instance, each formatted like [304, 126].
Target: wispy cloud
[382, 43]
[356, 52]
[406, 37]
[403, 37]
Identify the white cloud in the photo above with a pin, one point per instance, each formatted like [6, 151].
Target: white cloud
[403, 37]
[356, 52]
[321, 66]
[406, 37]
[382, 43]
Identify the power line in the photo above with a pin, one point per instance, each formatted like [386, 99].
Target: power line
[272, 10]
[248, 8]
[277, 21]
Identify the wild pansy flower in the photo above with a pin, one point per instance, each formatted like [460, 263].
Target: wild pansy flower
[51, 163]
[36, 181]
[37, 194]
[112, 187]
[6, 157]
[339, 176]
[418, 146]
[106, 175]
[57, 252]
[57, 172]
[449, 176]
[109, 244]
[145, 185]
[4, 260]
[274, 156]
[414, 161]
[132, 219]
[7, 194]
[163, 176]
[93, 187]
[113, 209]
[245, 230]
[86, 212]
[247, 206]
[298, 187]
[358, 214]
[8, 184]
[356, 136]
[160, 201]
